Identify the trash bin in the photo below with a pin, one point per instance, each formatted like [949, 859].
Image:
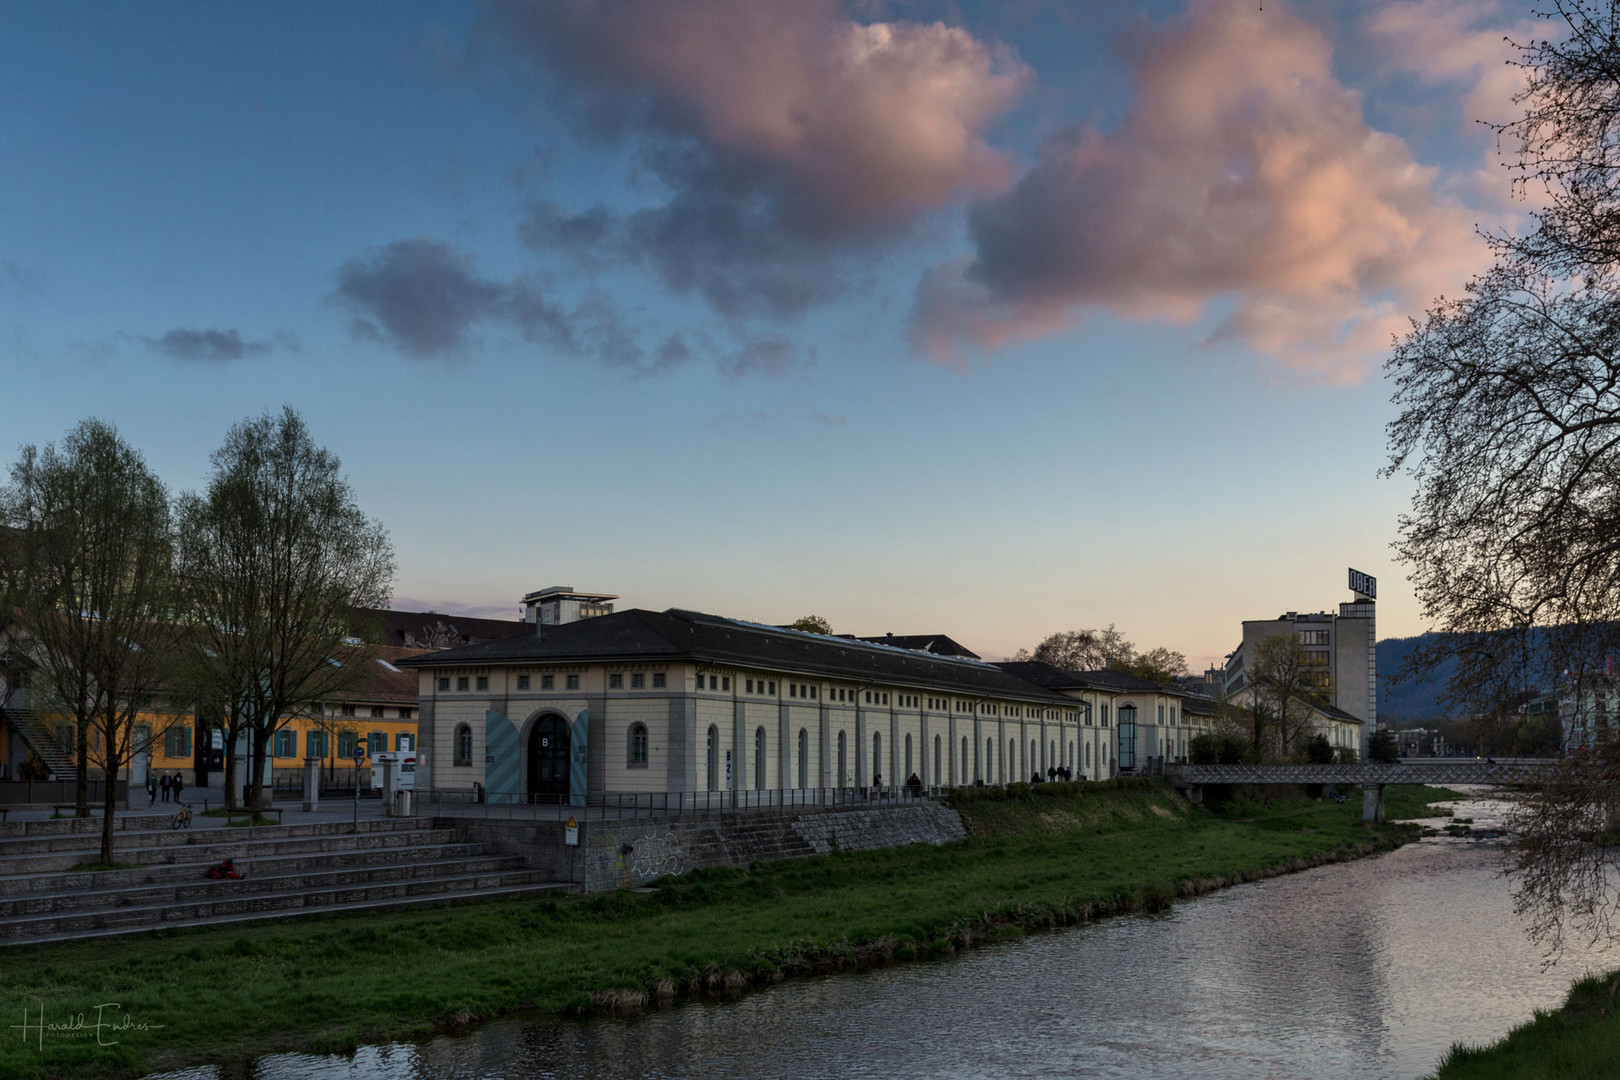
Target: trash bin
[402, 804]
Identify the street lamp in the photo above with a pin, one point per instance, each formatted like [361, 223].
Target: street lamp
[359, 756]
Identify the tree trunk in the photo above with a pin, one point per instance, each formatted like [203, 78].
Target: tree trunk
[256, 749]
[109, 805]
[230, 769]
[81, 781]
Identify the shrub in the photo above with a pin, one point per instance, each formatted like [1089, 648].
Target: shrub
[1381, 747]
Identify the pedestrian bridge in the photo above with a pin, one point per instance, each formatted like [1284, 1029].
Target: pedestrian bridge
[1370, 777]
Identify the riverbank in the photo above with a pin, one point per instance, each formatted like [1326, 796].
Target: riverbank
[1036, 858]
[1580, 1039]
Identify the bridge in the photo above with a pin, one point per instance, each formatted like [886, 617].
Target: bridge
[1370, 777]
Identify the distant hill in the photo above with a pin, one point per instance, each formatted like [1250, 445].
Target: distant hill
[1410, 700]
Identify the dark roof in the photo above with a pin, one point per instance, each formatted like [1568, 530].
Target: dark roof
[382, 680]
[939, 644]
[419, 629]
[637, 634]
[1198, 705]
[1055, 678]
[1336, 713]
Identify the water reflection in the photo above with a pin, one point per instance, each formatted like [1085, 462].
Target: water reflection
[1370, 969]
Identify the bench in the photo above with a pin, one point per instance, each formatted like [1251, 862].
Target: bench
[243, 812]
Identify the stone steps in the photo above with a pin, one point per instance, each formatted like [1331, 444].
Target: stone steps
[212, 845]
[199, 887]
[435, 891]
[157, 832]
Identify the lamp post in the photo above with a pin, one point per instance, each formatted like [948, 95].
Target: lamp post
[359, 756]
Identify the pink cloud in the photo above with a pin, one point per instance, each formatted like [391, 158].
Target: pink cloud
[1244, 175]
[845, 126]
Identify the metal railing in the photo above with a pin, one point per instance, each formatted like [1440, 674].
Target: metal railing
[630, 805]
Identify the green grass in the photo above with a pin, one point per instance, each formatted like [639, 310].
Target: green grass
[1578, 1041]
[1036, 858]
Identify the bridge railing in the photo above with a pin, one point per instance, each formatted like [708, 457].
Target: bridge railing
[1424, 772]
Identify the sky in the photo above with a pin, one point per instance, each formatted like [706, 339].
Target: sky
[991, 319]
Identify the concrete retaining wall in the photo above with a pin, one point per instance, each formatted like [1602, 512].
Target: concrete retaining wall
[623, 854]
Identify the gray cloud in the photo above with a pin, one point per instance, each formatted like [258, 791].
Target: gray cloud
[206, 346]
[428, 300]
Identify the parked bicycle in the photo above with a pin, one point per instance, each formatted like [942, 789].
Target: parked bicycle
[182, 817]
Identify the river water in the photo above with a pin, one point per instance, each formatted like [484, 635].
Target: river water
[1367, 969]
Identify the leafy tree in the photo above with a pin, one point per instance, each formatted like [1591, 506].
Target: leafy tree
[811, 624]
[277, 556]
[1318, 751]
[1286, 684]
[1082, 650]
[1381, 747]
[1161, 665]
[90, 587]
[1510, 427]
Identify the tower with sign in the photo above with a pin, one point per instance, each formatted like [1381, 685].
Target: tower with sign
[1364, 587]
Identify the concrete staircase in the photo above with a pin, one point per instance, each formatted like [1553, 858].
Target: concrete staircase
[287, 870]
[43, 742]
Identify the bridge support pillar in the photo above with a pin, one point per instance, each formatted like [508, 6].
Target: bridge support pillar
[1195, 794]
[1372, 803]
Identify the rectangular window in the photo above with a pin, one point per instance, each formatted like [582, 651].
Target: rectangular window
[572, 682]
[714, 682]
[793, 689]
[403, 741]
[750, 686]
[346, 743]
[483, 683]
[347, 710]
[376, 742]
[772, 690]
[523, 682]
[315, 744]
[407, 714]
[177, 742]
[444, 683]
[376, 712]
[461, 682]
[812, 693]
[548, 682]
[638, 681]
[285, 744]
[659, 682]
[725, 683]
[616, 681]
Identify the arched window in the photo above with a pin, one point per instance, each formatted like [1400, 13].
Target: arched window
[935, 779]
[759, 759]
[989, 761]
[909, 769]
[638, 746]
[877, 759]
[714, 758]
[1034, 757]
[1010, 769]
[843, 762]
[804, 758]
[962, 766]
[1088, 755]
[463, 744]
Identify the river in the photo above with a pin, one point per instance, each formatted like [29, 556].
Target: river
[1366, 969]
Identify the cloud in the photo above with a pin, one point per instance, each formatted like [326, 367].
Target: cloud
[421, 297]
[1242, 176]
[1466, 44]
[206, 346]
[428, 300]
[785, 133]
[14, 278]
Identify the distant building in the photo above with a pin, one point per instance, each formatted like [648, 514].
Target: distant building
[558, 605]
[938, 644]
[434, 629]
[1345, 643]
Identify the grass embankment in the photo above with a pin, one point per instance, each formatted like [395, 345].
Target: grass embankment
[1578, 1041]
[1036, 857]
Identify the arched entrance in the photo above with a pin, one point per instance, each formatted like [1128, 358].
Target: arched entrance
[548, 757]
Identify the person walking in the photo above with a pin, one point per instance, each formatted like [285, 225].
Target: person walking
[151, 788]
[179, 785]
[167, 784]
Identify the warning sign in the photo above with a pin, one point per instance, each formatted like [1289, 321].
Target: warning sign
[571, 837]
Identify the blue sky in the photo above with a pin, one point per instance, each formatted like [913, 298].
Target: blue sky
[573, 309]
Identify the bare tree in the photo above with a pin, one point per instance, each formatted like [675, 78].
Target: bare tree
[278, 557]
[1510, 426]
[92, 591]
[1082, 650]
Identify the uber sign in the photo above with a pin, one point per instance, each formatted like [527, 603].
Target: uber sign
[1363, 584]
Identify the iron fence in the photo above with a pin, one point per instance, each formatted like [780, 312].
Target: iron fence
[630, 805]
